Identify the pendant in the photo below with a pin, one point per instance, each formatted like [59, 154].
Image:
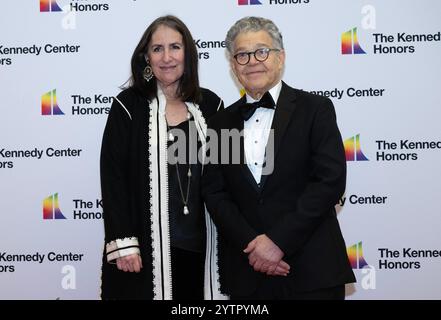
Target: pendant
[171, 137]
[186, 210]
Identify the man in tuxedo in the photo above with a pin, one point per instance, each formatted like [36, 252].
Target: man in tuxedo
[274, 210]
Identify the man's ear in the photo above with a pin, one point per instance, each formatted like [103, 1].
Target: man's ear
[233, 67]
[282, 57]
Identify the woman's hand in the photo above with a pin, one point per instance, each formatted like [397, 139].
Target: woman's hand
[130, 263]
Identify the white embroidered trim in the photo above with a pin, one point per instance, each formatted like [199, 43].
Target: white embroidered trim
[163, 183]
[121, 243]
[122, 253]
[160, 229]
[220, 103]
[201, 127]
[153, 214]
[211, 277]
[123, 107]
[116, 248]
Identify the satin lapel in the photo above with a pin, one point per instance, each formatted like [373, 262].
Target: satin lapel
[284, 109]
[237, 123]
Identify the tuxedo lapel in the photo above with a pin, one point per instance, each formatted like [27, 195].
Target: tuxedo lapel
[238, 123]
[284, 109]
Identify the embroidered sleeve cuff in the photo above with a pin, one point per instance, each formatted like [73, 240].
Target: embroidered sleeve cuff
[122, 247]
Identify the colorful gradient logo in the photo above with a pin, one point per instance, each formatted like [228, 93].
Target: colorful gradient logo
[49, 6]
[349, 43]
[248, 2]
[49, 104]
[355, 255]
[51, 209]
[353, 149]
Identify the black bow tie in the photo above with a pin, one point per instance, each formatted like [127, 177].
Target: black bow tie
[247, 109]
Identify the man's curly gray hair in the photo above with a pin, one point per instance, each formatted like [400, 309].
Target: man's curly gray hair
[253, 24]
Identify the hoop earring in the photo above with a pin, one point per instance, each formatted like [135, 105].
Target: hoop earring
[147, 74]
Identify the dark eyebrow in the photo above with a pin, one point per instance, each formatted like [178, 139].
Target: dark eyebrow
[171, 44]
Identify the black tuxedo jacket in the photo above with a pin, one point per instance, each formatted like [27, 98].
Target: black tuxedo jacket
[293, 206]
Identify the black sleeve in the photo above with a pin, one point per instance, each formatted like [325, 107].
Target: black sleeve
[114, 166]
[326, 183]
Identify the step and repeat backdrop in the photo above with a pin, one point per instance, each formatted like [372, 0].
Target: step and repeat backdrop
[62, 61]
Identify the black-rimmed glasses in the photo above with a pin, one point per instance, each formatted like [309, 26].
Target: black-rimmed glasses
[261, 55]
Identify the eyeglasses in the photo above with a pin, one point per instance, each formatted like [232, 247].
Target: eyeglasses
[261, 55]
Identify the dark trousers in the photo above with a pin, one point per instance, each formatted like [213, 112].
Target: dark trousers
[276, 288]
[187, 274]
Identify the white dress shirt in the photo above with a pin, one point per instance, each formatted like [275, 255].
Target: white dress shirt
[256, 132]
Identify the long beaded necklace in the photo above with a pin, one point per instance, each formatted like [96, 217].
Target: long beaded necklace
[171, 138]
